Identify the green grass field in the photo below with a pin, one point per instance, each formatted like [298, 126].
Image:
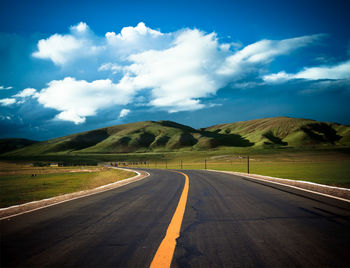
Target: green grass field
[18, 186]
[325, 167]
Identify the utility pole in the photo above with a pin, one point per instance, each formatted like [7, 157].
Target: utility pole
[248, 164]
[166, 164]
[181, 163]
[205, 163]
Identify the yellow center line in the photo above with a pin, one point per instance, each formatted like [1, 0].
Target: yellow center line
[165, 252]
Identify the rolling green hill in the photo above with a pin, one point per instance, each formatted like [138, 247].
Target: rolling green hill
[167, 136]
[285, 131]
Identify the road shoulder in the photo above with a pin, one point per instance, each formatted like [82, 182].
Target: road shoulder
[307, 189]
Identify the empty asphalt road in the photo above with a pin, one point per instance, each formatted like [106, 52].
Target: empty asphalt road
[228, 222]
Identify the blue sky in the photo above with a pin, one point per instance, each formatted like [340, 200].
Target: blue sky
[71, 66]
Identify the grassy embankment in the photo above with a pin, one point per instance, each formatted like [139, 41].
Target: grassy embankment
[17, 185]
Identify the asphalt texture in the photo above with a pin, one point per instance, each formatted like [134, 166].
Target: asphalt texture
[229, 222]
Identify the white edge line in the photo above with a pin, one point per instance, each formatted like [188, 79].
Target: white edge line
[278, 183]
[302, 182]
[125, 182]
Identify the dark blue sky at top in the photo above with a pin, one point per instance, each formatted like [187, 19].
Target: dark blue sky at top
[24, 23]
[249, 20]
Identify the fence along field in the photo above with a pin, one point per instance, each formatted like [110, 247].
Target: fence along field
[330, 170]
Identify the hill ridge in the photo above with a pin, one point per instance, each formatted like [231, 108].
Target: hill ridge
[165, 135]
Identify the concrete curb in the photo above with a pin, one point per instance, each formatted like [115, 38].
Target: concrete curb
[16, 210]
[313, 190]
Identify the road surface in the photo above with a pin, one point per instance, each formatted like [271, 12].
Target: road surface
[228, 222]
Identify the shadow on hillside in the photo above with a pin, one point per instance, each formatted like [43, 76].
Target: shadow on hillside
[80, 142]
[7, 145]
[121, 145]
[234, 140]
[161, 141]
[185, 140]
[273, 140]
[145, 139]
[321, 132]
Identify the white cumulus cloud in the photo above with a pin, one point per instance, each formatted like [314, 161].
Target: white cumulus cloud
[196, 66]
[123, 113]
[62, 49]
[176, 71]
[5, 88]
[82, 43]
[277, 77]
[332, 72]
[76, 99]
[338, 71]
[7, 101]
[59, 48]
[81, 27]
[131, 34]
[180, 75]
[115, 68]
[263, 52]
[28, 92]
